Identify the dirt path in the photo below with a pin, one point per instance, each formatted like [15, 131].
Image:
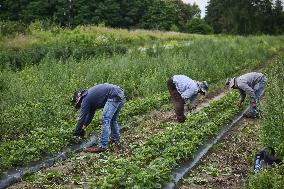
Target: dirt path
[229, 162]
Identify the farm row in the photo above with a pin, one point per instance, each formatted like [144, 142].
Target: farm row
[147, 156]
[273, 128]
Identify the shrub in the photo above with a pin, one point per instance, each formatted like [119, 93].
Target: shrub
[11, 28]
[197, 25]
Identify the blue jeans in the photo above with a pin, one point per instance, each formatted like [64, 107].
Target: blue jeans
[110, 127]
[258, 89]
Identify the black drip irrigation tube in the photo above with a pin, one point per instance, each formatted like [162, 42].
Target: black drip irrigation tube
[14, 175]
[184, 168]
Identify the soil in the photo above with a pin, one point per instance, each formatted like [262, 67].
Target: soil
[229, 162]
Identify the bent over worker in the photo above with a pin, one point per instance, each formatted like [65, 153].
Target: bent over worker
[251, 83]
[110, 98]
[184, 91]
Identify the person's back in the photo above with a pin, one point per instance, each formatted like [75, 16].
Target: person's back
[98, 95]
[250, 79]
[107, 96]
[184, 83]
[184, 90]
[252, 83]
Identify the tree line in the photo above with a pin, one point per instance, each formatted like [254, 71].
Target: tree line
[246, 16]
[222, 16]
[147, 14]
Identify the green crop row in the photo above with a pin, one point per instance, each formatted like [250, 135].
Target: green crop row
[45, 141]
[148, 161]
[273, 127]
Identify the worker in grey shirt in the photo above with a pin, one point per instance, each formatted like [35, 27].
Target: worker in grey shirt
[110, 98]
[184, 90]
[251, 83]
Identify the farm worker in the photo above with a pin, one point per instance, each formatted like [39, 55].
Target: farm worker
[110, 98]
[252, 83]
[184, 90]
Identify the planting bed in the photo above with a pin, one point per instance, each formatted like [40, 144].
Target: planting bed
[148, 153]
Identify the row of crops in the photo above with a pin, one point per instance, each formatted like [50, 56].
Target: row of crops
[273, 127]
[148, 153]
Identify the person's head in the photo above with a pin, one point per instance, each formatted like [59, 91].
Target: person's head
[230, 83]
[203, 87]
[76, 99]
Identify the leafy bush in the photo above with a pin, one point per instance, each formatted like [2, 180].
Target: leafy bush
[18, 58]
[12, 28]
[271, 179]
[272, 129]
[174, 28]
[197, 25]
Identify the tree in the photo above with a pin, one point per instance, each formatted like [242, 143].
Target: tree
[278, 15]
[198, 25]
[132, 12]
[38, 10]
[108, 12]
[161, 15]
[12, 10]
[242, 16]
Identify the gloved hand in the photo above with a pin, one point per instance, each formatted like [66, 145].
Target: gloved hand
[253, 105]
[239, 103]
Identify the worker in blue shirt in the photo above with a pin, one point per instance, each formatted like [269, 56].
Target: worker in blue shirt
[184, 91]
[107, 96]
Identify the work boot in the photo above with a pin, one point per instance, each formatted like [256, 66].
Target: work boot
[250, 115]
[95, 149]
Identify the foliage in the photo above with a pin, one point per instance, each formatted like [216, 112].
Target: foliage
[272, 128]
[150, 159]
[161, 15]
[81, 43]
[245, 16]
[272, 179]
[114, 13]
[197, 25]
[12, 28]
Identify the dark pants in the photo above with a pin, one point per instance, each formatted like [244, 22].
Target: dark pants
[177, 101]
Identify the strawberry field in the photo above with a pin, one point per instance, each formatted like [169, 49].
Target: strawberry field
[40, 71]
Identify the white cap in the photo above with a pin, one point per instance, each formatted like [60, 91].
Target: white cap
[203, 86]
